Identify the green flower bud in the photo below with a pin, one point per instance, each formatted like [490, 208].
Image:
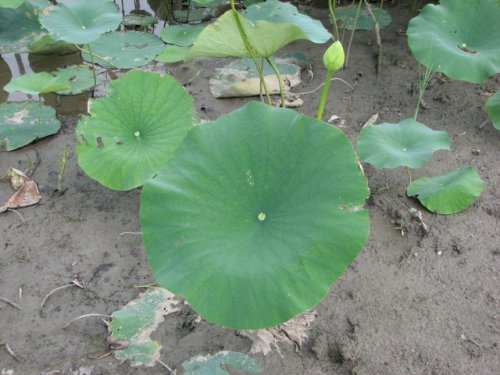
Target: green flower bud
[334, 56]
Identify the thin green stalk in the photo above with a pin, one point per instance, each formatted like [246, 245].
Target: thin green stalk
[422, 86]
[332, 7]
[351, 37]
[408, 170]
[93, 64]
[251, 51]
[280, 81]
[324, 94]
[62, 169]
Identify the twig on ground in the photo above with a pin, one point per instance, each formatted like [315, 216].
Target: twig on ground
[86, 316]
[9, 350]
[18, 214]
[33, 165]
[320, 86]
[75, 282]
[9, 302]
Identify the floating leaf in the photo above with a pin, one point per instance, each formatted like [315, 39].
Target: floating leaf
[279, 12]
[11, 3]
[346, 15]
[255, 216]
[408, 143]
[458, 38]
[81, 21]
[37, 83]
[493, 109]
[450, 193]
[132, 326]
[218, 364]
[181, 35]
[22, 123]
[80, 79]
[172, 54]
[133, 132]
[125, 50]
[222, 38]
[139, 20]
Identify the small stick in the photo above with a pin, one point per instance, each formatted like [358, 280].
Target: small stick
[320, 86]
[9, 350]
[9, 302]
[86, 316]
[18, 214]
[73, 283]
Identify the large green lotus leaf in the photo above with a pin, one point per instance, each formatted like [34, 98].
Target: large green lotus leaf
[11, 3]
[19, 28]
[125, 50]
[450, 193]
[22, 123]
[37, 83]
[346, 16]
[181, 35]
[408, 143]
[134, 131]
[222, 38]
[255, 216]
[458, 38]
[79, 77]
[279, 12]
[493, 109]
[219, 363]
[81, 21]
[172, 54]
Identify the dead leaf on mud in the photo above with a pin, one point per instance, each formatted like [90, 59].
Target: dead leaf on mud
[292, 332]
[26, 191]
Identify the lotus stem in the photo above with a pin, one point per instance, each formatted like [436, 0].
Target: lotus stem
[324, 94]
[93, 64]
[280, 81]
[332, 7]
[422, 86]
[376, 28]
[250, 50]
[351, 37]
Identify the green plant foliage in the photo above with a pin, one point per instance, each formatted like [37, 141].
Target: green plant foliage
[218, 363]
[181, 35]
[255, 216]
[134, 131]
[408, 143]
[493, 109]
[346, 15]
[172, 54]
[222, 38]
[79, 77]
[203, 2]
[278, 12]
[37, 83]
[134, 324]
[19, 28]
[125, 50]
[458, 38]
[450, 193]
[22, 123]
[81, 21]
[139, 20]
[11, 3]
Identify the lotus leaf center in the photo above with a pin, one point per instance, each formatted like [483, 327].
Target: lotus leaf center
[83, 27]
[404, 149]
[261, 216]
[137, 133]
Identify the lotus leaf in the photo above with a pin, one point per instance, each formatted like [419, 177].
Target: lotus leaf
[493, 109]
[37, 83]
[22, 123]
[172, 54]
[255, 216]
[218, 363]
[125, 50]
[222, 38]
[450, 193]
[81, 21]
[346, 15]
[181, 35]
[458, 38]
[11, 3]
[139, 20]
[80, 79]
[279, 12]
[408, 143]
[134, 131]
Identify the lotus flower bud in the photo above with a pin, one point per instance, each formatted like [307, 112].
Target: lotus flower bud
[334, 56]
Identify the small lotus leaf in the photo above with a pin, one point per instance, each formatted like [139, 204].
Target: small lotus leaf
[22, 123]
[133, 132]
[134, 324]
[493, 109]
[80, 79]
[346, 16]
[222, 38]
[37, 83]
[181, 35]
[11, 3]
[139, 20]
[81, 21]
[279, 12]
[19, 28]
[125, 50]
[172, 54]
[255, 216]
[217, 364]
[408, 143]
[458, 38]
[450, 193]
